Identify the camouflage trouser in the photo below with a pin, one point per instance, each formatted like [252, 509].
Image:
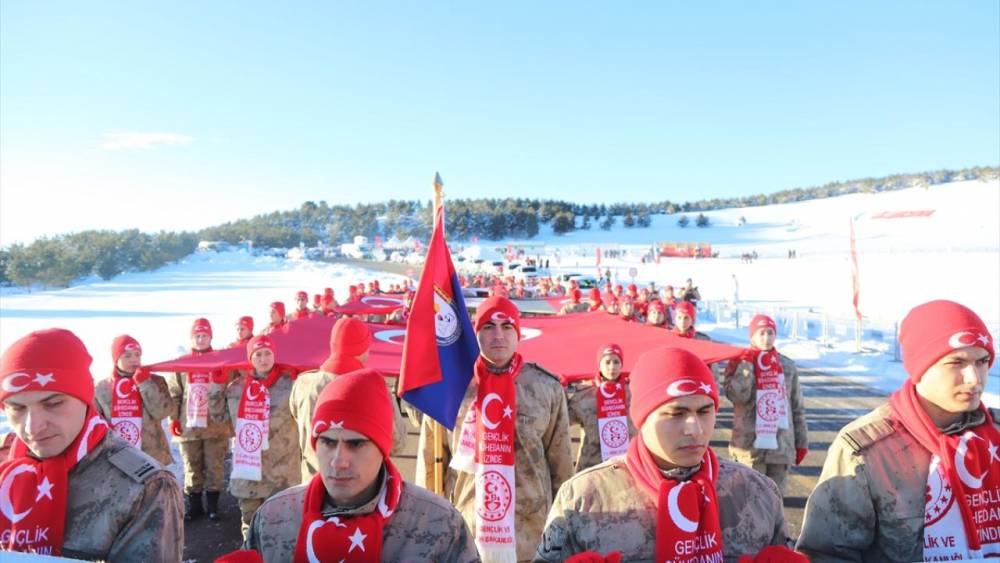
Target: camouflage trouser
[778, 472]
[204, 464]
[248, 506]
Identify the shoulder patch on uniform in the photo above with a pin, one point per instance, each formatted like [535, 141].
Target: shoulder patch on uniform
[867, 434]
[545, 371]
[137, 465]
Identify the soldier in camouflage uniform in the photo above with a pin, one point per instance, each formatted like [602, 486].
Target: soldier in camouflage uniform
[421, 527]
[582, 404]
[575, 305]
[604, 509]
[120, 504]
[741, 388]
[279, 462]
[349, 342]
[203, 449]
[874, 499]
[156, 401]
[541, 441]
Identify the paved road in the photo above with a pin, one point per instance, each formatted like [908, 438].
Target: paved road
[831, 402]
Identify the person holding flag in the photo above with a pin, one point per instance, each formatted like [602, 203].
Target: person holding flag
[244, 332]
[277, 316]
[668, 498]
[769, 416]
[918, 478]
[301, 307]
[134, 401]
[500, 400]
[575, 305]
[512, 449]
[684, 318]
[600, 407]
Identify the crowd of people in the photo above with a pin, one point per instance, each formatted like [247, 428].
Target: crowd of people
[311, 453]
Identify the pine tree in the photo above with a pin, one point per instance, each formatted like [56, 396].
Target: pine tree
[683, 221]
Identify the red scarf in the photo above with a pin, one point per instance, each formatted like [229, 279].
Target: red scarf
[687, 513]
[772, 399]
[301, 313]
[970, 469]
[347, 538]
[126, 409]
[253, 426]
[33, 509]
[486, 447]
[612, 416]
[689, 333]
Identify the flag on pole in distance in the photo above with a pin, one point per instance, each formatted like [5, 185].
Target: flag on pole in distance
[440, 349]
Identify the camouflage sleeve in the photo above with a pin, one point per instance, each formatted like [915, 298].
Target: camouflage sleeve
[155, 528]
[557, 442]
[156, 399]
[463, 545]
[226, 405]
[101, 401]
[252, 539]
[573, 398]
[739, 385]
[398, 426]
[840, 520]
[176, 391]
[555, 545]
[797, 404]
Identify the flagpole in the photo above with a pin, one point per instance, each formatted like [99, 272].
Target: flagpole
[439, 434]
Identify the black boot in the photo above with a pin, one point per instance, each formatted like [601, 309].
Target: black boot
[194, 510]
[212, 500]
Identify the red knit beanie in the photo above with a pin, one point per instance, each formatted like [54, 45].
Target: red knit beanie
[633, 290]
[498, 308]
[759, 322]
[349, 337]
[246, 322]
[595, 294]
[122, 344]
[932, 330]
[357, 401]
[47, 360]
[328, 291]
[279, 307]
[317, 299]
[575, 295]
[260, 342]
[688, 310]
[610, 349]
[658, 305]
[664, 374]
[201, 326]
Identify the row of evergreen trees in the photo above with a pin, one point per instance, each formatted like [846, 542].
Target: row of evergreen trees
[59, 260]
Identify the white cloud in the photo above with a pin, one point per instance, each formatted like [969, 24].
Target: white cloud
[143, 141]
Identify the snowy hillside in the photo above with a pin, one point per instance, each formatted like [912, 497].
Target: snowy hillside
[954, 253]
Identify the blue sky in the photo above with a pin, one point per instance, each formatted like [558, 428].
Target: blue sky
[179, 115]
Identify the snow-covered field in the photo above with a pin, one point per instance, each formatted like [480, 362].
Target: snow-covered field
[953, 253]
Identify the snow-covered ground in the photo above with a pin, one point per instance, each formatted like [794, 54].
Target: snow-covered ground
[953, 253]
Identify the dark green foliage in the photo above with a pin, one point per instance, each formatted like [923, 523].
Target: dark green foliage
[701, 220]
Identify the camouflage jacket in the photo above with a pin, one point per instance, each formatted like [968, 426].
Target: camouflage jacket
[541, 455]
[424, 527]
[869, 504]
[302, 403]
[603, 510]
[156, 405]
[741, 389]
[582, 404]
[218, 421]
[280, 461]
[123, 506]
